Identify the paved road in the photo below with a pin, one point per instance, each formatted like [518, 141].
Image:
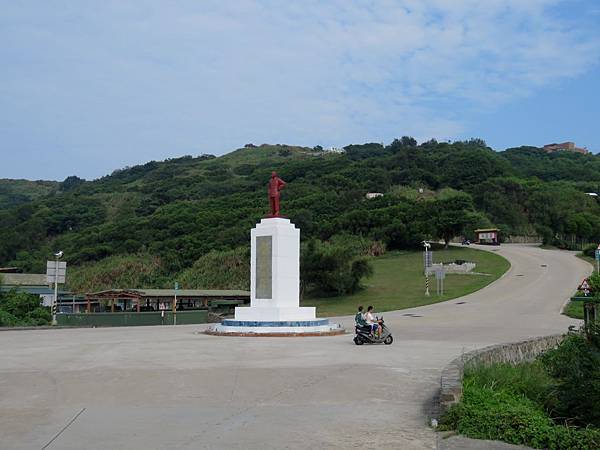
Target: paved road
[169, 387]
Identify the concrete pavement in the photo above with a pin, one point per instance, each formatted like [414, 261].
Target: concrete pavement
[171, 387]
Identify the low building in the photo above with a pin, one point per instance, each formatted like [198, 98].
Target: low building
[371, 195]
[564, 147]
[488, 236]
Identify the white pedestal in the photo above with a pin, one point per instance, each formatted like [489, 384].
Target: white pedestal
[275, 275]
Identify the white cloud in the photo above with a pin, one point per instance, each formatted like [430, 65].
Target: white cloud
[163, 77]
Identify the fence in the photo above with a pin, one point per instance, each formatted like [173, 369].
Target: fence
[132, 319]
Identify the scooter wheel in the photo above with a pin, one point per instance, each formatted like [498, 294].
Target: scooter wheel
[388, 340]
[358, 340]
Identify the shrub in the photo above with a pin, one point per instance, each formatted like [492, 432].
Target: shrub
[22, 309]
[590, 250]
[499, 414]
[575, 365]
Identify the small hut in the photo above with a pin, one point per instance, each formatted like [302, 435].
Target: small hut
[489, 236]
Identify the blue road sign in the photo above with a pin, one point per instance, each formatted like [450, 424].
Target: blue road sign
[598, 254]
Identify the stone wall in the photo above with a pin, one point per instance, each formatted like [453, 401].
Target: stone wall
[513, 353]
[516, 239]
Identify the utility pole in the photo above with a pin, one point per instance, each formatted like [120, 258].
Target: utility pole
[428, 261]
[57, 256]
[55, 302]
[175, 304]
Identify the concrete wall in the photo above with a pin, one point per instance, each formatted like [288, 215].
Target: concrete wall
[514, 353]
[129, 319]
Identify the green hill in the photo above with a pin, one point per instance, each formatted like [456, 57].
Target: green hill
[177, 211]
[16, 192]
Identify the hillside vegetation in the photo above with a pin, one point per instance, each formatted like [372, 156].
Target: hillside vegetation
[16, 192]
[174, 213]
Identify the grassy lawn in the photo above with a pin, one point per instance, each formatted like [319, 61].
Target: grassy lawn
[574, 310]
[398, 282]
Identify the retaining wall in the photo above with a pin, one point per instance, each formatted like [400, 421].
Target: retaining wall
[513, 353]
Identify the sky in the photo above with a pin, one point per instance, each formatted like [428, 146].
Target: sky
[88, 87]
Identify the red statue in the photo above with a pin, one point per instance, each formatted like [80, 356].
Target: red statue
[276, 184]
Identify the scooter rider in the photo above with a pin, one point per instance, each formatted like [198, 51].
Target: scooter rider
[372, 322]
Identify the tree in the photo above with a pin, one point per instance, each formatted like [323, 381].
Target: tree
[403, 142]
[332, 268]
[452, 215]
[71, 183]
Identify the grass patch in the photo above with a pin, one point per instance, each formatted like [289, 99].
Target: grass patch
[588, 259]
[574, 310]
[398, 281]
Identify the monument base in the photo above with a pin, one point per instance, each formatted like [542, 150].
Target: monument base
[275, 314]
[281, 328]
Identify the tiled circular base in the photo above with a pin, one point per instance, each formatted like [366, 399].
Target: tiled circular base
[335, 332]
[281, 323]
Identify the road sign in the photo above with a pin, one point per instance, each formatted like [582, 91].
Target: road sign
[584, 285]
[428, 258]
[598, 254]
[56, 272]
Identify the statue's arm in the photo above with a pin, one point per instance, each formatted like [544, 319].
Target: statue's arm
[281, 184]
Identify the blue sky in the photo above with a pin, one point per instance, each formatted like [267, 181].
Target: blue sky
[87, 87]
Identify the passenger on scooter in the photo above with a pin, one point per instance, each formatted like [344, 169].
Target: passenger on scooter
[359, 319]
[372, 322]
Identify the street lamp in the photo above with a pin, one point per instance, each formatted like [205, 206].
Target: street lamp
[57, 255]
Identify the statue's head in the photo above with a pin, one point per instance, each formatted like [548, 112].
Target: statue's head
[273, 174]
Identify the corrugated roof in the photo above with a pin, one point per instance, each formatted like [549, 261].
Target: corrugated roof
[192, 293]
[180, 292]
[483, 230]
[24, 279]
[37, 290]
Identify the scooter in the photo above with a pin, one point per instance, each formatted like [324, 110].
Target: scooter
[363, 335]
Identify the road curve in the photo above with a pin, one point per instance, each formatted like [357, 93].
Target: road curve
[169, 387]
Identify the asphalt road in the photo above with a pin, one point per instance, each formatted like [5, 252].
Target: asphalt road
[172, 388]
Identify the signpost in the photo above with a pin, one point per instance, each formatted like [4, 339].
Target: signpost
[56, 272]
[598, 260]
[440, 275]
